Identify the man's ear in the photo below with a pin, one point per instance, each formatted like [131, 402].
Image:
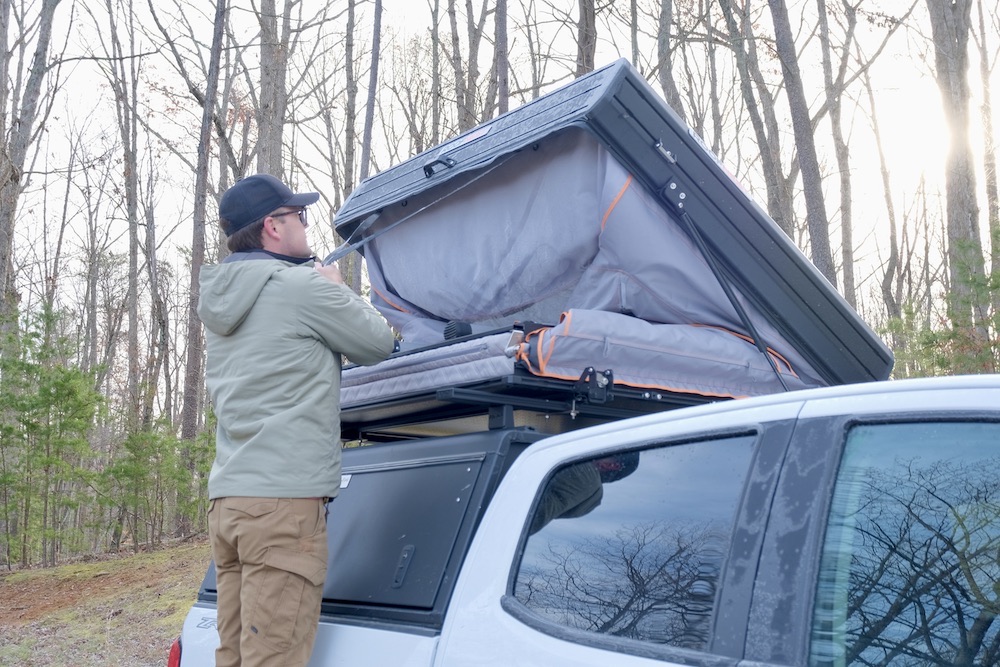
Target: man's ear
[270, 230]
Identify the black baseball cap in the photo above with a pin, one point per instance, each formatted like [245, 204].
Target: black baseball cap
[253, 197]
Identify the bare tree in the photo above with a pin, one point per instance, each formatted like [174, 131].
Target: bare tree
[891, 273]
[373, 82]
[275, 45]
[122, 75]
[922, 575]
[416, 97]
[193, 381]
[537, 54]
[665, 57]
[351, 103]
[759, 105]
[501, 62]
[987, 63]
[28, 81]
[950, 27]
[643, 576]
[586, 37]
[437, 89]
[834, 84]
[805, 143]
[466, 70]
[158, 364]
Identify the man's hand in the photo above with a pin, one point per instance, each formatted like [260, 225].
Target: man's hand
[331, 272]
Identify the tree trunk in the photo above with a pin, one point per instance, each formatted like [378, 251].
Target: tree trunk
[123, 77]
[350, 119]
[586, 37]
[664, 58]
[437, 90]
[715, 87]
[195, 343]
[533, 42]
[990, 165]
[950, 25]
[366, 141]
[19, 118]
[834, 86]
[354, 261]
[762, 117]
[812, 180]
[475, 29]
[274, 48]
[194, 383]
[891, 269]
[633, 13]
[350, 265]
[458, 69]
[502, 58]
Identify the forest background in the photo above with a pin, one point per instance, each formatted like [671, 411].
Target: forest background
[864, 127]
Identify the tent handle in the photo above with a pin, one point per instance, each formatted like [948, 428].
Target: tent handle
[444, 161]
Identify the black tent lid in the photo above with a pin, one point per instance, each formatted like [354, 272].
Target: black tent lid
[617, 106]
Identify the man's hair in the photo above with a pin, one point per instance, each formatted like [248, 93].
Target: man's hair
[245, 239]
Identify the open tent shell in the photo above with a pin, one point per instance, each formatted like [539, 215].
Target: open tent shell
[595, 221]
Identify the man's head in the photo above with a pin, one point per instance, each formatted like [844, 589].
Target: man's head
[262, 212]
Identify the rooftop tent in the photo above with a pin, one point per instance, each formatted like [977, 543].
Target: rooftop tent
[596, 212]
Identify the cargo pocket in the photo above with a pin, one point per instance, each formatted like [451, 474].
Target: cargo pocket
[290, 589]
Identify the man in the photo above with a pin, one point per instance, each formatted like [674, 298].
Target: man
[277, 324]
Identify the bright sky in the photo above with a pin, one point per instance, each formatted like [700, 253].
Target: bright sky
[907, 98]
[914, 136]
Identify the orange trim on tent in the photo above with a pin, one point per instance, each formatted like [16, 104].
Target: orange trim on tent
[621, 193]
[637, 385]
[544, 355]
[567, 318]
[389, 301]
[524, 349]
[774, 353]
[543, 358]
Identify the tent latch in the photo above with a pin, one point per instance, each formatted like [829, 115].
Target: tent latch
[595, 387]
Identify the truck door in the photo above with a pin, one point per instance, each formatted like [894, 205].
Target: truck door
[628, 547]
[884, 540]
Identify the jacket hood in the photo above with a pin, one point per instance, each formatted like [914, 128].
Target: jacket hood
[229, 291]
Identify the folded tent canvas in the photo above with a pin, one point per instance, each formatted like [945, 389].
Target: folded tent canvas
[596, 212]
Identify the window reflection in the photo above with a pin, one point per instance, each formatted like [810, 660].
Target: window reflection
[910, 573]
[633, 545]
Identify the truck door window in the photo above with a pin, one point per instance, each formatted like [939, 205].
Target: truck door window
[632, 545]
[910, 570]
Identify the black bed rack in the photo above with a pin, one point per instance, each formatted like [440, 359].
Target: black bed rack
[511, 401]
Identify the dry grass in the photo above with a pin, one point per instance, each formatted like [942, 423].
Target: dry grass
[117, 611]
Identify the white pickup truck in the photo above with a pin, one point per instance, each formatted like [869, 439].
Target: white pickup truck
[542, 482]
[853, 525]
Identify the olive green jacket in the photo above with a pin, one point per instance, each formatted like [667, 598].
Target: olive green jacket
[275, 335]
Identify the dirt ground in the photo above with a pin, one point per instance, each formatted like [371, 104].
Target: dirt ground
[122, 610]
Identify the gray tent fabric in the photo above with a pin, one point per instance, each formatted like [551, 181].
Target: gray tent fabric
[506, 244]
[463, 362]
[562, 226]
[682, 358]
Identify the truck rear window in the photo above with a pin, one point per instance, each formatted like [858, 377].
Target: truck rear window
[633, 545]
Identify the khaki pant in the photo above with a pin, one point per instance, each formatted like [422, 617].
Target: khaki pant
[270, 562]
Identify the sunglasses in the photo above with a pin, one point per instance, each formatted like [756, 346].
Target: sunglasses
[300, 212]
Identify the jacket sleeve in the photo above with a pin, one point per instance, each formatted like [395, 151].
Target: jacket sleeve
[345, 322]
